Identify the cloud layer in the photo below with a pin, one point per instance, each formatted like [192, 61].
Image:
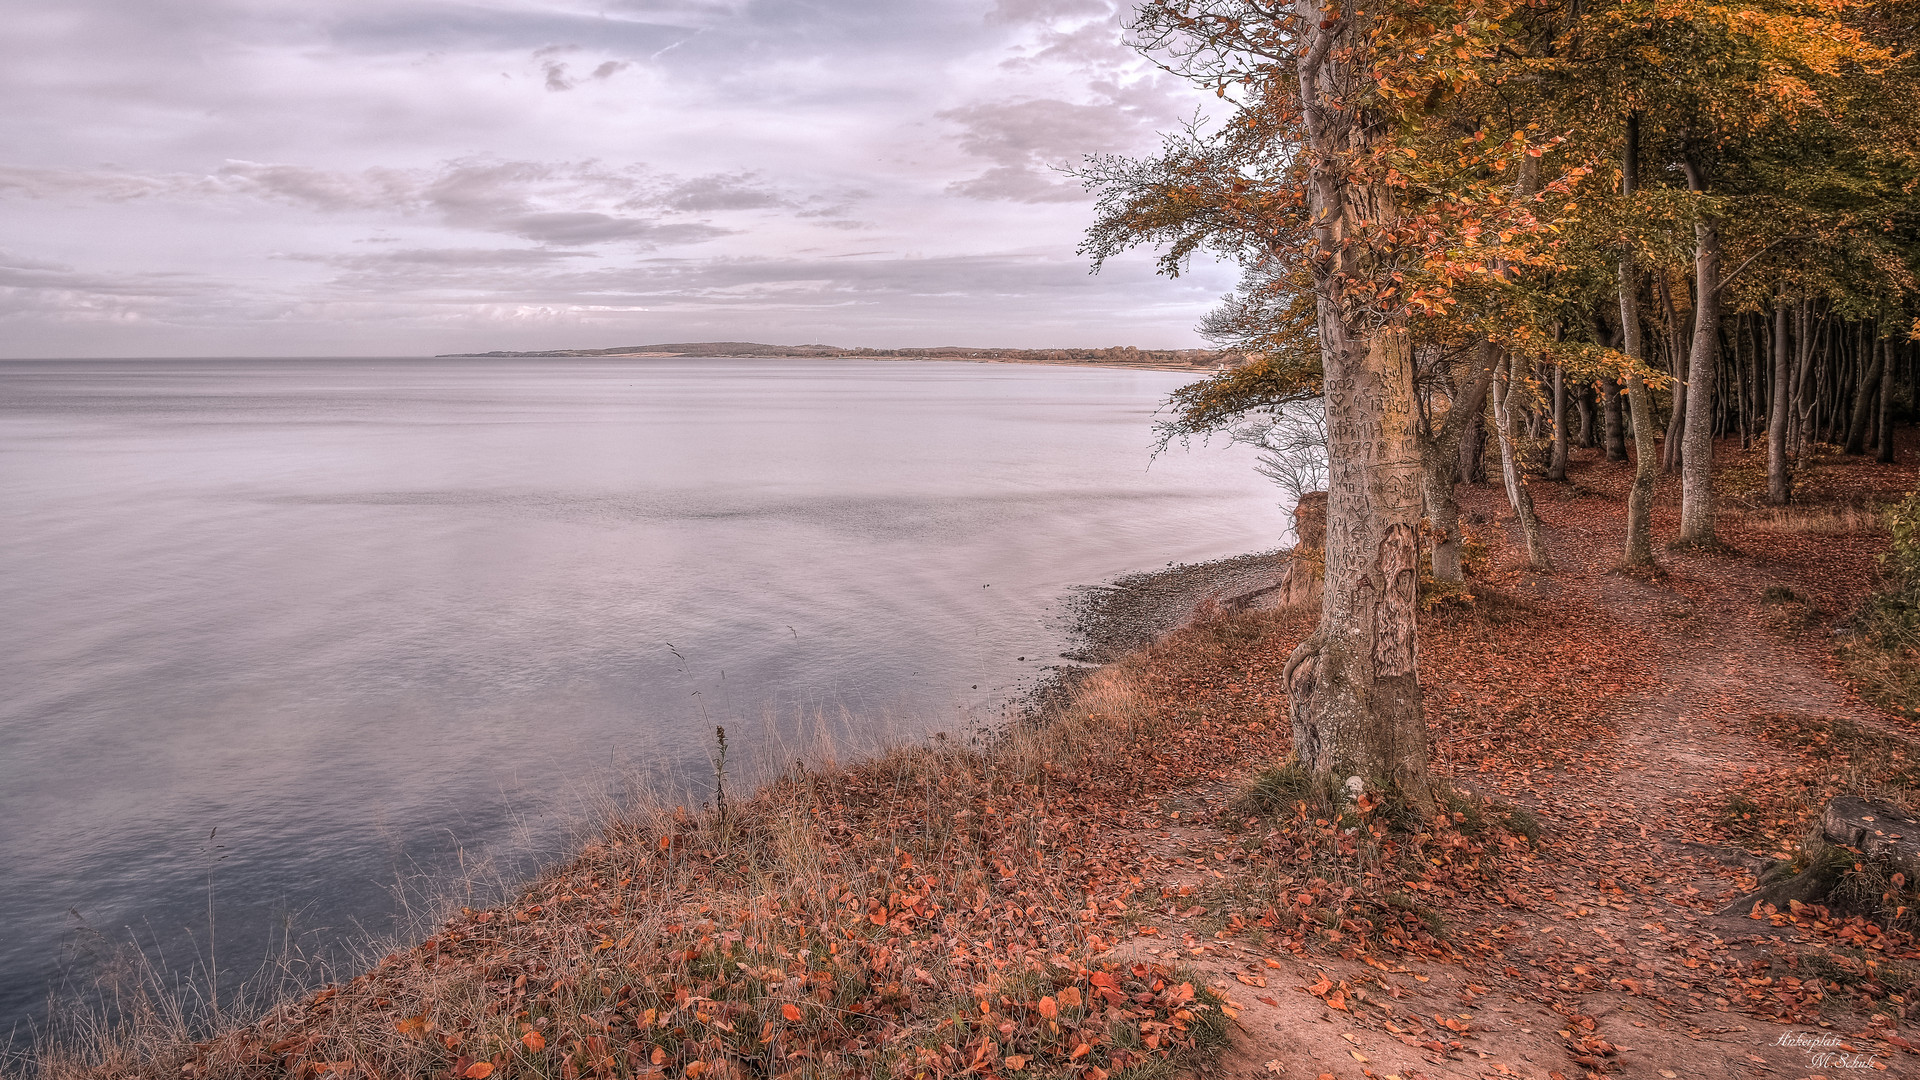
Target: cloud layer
[271, 177]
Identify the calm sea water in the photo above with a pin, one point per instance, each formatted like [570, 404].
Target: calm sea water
[283, 638]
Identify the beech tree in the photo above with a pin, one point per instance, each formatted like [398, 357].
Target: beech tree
[1442, 210]
[1323, 181]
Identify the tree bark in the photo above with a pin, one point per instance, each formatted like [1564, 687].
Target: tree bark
[1639, 553]
[1886, 402]
[1440, 459]
[1354, 684]
[1615, 434]
[1801, 401]
[1696, 465]
[1473, 444]
[1557, 466]
[1779, 483]
[1671, 446]
[1863, 400]
[1517, 495]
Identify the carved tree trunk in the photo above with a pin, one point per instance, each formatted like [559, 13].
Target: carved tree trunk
[1696, 464]
[1354, 683]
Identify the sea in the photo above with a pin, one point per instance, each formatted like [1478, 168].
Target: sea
[294, 652]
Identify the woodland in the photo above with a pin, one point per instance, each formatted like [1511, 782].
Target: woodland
[1579, 735]
[1493, 224]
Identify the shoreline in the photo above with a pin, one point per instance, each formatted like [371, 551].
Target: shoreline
[1104, 622]
[676, 869]
[1130, 612]
[1124, 358]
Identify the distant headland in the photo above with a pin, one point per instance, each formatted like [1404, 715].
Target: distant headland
[1123, 356]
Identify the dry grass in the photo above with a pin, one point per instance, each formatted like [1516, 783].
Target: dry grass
[901, 914]
[1815, 520]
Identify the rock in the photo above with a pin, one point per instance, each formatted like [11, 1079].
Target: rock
[1880, 833]
[1306, 565]
[1876, 830]
[1310, 520]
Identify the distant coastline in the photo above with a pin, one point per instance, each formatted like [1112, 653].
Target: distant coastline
[1119, 356]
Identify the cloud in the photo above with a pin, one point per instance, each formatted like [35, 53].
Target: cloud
[1027, 11]
[1026, 140]
[40, 290]
[277, 163]
[561, 203]
[1097, 46]
[589, 227]
[741, 191]
[454, 257]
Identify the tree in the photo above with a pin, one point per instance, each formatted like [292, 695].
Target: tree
[1330, 186]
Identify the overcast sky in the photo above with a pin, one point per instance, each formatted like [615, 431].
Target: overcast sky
[287, 177]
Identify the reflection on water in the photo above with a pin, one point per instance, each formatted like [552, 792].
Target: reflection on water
[372, 618]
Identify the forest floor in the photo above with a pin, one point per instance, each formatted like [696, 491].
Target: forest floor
[1116, 894]
[1673, 736]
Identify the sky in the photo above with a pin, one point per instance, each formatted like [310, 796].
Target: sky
[400, 177]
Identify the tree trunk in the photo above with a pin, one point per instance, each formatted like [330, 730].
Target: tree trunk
[1886, 402]
[1473, 444]
[1639, 552]
[1779, 486]
[1557, 467]
[1863, 401]
[1800, 401]
[1696, 465]
[1440, 458]
[1354, 684]
[1671, 448]
[1517, 495]
[1615, 436]
[1583, 405]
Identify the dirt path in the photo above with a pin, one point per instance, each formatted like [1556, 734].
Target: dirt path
[1597, 966]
